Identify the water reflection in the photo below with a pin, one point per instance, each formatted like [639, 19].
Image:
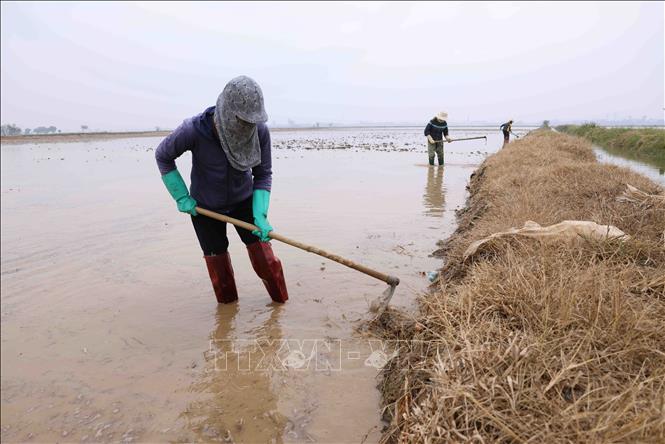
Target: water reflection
[240, 405]
[652, 172]
[434, 198]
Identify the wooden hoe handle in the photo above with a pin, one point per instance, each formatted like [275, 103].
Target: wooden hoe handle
[470, 138]
[390, 280]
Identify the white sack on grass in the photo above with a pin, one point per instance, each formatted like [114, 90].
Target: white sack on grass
[568, 230]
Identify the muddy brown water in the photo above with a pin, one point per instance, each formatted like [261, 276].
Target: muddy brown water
[110, 330]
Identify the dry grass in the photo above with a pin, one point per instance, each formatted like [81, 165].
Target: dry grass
[534, 342]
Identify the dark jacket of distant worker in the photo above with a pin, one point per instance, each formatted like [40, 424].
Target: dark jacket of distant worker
[231, 174]
[507, 129]
[435, 131]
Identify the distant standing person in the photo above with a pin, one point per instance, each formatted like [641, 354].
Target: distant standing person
[507, 129]
[232, 175]
[435, 131]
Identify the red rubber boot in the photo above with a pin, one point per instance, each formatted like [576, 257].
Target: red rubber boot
[221, 276]
[269, 269]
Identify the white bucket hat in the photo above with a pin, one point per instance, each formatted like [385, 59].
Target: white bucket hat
[442, 115]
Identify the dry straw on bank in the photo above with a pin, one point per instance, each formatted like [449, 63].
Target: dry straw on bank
[539, 342]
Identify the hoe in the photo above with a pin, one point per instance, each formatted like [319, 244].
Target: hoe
[378, 306]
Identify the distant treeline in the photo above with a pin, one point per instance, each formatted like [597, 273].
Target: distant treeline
[13, 130]
[643, 144]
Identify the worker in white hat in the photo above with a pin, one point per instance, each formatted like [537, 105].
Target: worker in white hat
[435, 131]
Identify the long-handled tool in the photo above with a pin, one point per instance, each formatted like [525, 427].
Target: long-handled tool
[377, 306]
[468, 138]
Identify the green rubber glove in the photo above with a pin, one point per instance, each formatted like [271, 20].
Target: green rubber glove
[178, 190]
[260, 203]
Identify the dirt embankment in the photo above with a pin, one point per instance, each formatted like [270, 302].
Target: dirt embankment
[84, 137]
[539, 341]
[643, 144]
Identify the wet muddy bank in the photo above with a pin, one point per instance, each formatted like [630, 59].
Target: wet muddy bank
[517, 342]
[321, 136]
[77, 137]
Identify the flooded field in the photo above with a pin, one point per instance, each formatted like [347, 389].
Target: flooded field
[110, 329]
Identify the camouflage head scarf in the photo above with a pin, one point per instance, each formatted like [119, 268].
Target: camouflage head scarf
[239, 108]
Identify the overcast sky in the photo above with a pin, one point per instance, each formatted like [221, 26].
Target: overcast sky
[128, 66]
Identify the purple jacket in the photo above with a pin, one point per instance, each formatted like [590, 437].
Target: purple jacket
[215, 184]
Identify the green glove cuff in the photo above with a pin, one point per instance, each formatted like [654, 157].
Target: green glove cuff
[260, 204]
[178, 190]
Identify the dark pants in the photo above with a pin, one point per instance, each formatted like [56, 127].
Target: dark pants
[435, 148]
[506, 136]
[212, 233]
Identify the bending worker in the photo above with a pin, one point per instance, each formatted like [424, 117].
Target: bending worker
[435, 131]
[231, 174]
[507, 129]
